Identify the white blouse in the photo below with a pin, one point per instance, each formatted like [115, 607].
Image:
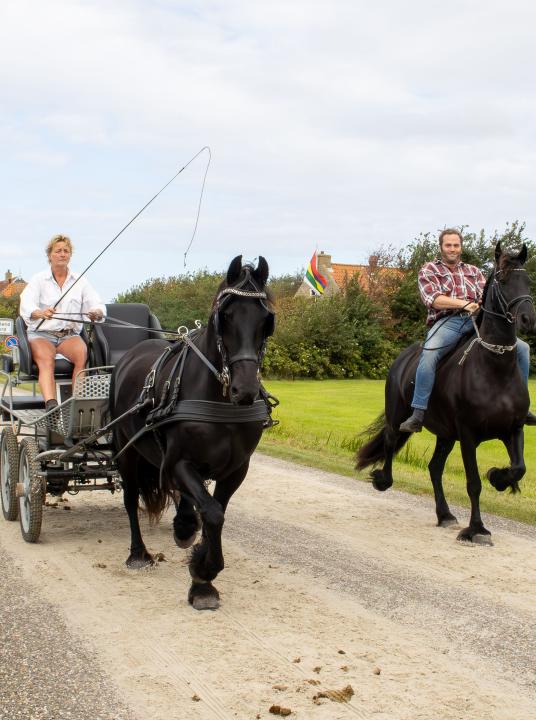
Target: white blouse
[43, 291]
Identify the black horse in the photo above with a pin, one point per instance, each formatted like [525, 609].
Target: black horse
[478, 395]
[197, 417]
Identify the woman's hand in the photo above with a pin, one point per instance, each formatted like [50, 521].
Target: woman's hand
[45, 314]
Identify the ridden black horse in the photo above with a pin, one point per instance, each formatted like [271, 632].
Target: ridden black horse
[478, 395]
[170, 456]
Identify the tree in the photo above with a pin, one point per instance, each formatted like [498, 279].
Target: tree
[285, 286]
[177, 300]
[9, 307]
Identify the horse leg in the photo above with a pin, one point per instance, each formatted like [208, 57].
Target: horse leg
[130, 465]
[382, 478]
[436, 467]
[186, 522]
[502, 478]
[227, 487]
[206, 560]
[476, 532]
[207, 557]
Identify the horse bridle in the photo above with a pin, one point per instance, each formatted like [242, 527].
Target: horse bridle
[222, 299]
[505, 305]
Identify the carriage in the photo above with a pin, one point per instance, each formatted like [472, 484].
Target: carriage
[68, 449]
[181, 414]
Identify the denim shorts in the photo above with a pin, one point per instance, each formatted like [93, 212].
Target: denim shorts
[54, 339]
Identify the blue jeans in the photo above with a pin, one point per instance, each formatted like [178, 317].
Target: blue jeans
[443, 335]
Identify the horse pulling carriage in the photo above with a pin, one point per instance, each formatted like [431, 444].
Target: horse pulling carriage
[153, 417]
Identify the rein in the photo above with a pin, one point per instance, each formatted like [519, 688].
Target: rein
[505, 314]
[497, 349]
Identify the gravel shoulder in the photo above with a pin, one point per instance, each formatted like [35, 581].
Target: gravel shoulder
[327, 584]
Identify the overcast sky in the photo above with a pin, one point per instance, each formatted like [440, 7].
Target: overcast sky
[341, 125]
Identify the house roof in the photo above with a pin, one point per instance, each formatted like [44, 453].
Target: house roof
[342, 273]
[11, 288]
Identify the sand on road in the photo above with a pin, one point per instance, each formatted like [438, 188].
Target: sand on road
[327, 586]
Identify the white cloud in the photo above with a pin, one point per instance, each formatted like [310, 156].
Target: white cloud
[346, 125]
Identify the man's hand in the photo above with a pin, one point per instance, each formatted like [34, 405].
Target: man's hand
[472, 308]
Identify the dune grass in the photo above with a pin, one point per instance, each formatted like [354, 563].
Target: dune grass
[320, 422]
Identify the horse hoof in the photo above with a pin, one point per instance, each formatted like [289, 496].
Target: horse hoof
[185, 543]
[379, 482]
[204, 596]
[476, 539]
[448, 522]
[140, 563]
[205, 603]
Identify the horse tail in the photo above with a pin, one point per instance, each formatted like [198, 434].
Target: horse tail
[154, 493]
[373, 451]
[155, 497]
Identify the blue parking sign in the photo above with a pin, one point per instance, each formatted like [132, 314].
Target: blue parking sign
[11, 342]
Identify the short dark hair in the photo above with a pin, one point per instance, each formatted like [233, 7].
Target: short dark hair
[450, 231]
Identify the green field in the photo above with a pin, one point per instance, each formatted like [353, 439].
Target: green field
[320, 421]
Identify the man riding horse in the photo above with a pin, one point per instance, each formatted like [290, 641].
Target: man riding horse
[452, 292]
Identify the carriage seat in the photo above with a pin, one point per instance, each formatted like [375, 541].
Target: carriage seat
[111, 343]
[27, 368]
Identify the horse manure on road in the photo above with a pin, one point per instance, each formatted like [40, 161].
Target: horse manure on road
[278, 710]
[344, 695]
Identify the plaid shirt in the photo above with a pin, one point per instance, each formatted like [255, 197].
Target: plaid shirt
[465, 282]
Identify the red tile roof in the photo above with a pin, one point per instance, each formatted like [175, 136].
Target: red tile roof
[343, 273]
[11, 288]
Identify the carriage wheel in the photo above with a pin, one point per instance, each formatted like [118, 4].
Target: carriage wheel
[30, 491]
[9, 473]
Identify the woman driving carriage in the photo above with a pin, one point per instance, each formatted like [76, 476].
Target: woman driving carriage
[49, 335]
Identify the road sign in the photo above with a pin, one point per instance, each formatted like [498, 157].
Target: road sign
[11, 342]
[6, 326]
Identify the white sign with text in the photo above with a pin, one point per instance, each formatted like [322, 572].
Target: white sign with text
[6, 326]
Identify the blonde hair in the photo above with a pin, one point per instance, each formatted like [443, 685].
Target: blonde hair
[56, 239]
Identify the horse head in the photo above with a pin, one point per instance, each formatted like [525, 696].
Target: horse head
[243, 318]
[510, 289]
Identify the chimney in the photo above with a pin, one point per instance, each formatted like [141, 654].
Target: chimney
[9, 276]
[324, 262]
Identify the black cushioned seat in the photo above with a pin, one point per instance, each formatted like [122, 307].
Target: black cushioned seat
[111, 343]
[27, 368]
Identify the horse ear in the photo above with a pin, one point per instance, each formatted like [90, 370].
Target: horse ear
[498, 251]
[261, 272]
[523, 254]
[235, 268]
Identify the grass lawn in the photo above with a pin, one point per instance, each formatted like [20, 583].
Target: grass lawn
[320, 421]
